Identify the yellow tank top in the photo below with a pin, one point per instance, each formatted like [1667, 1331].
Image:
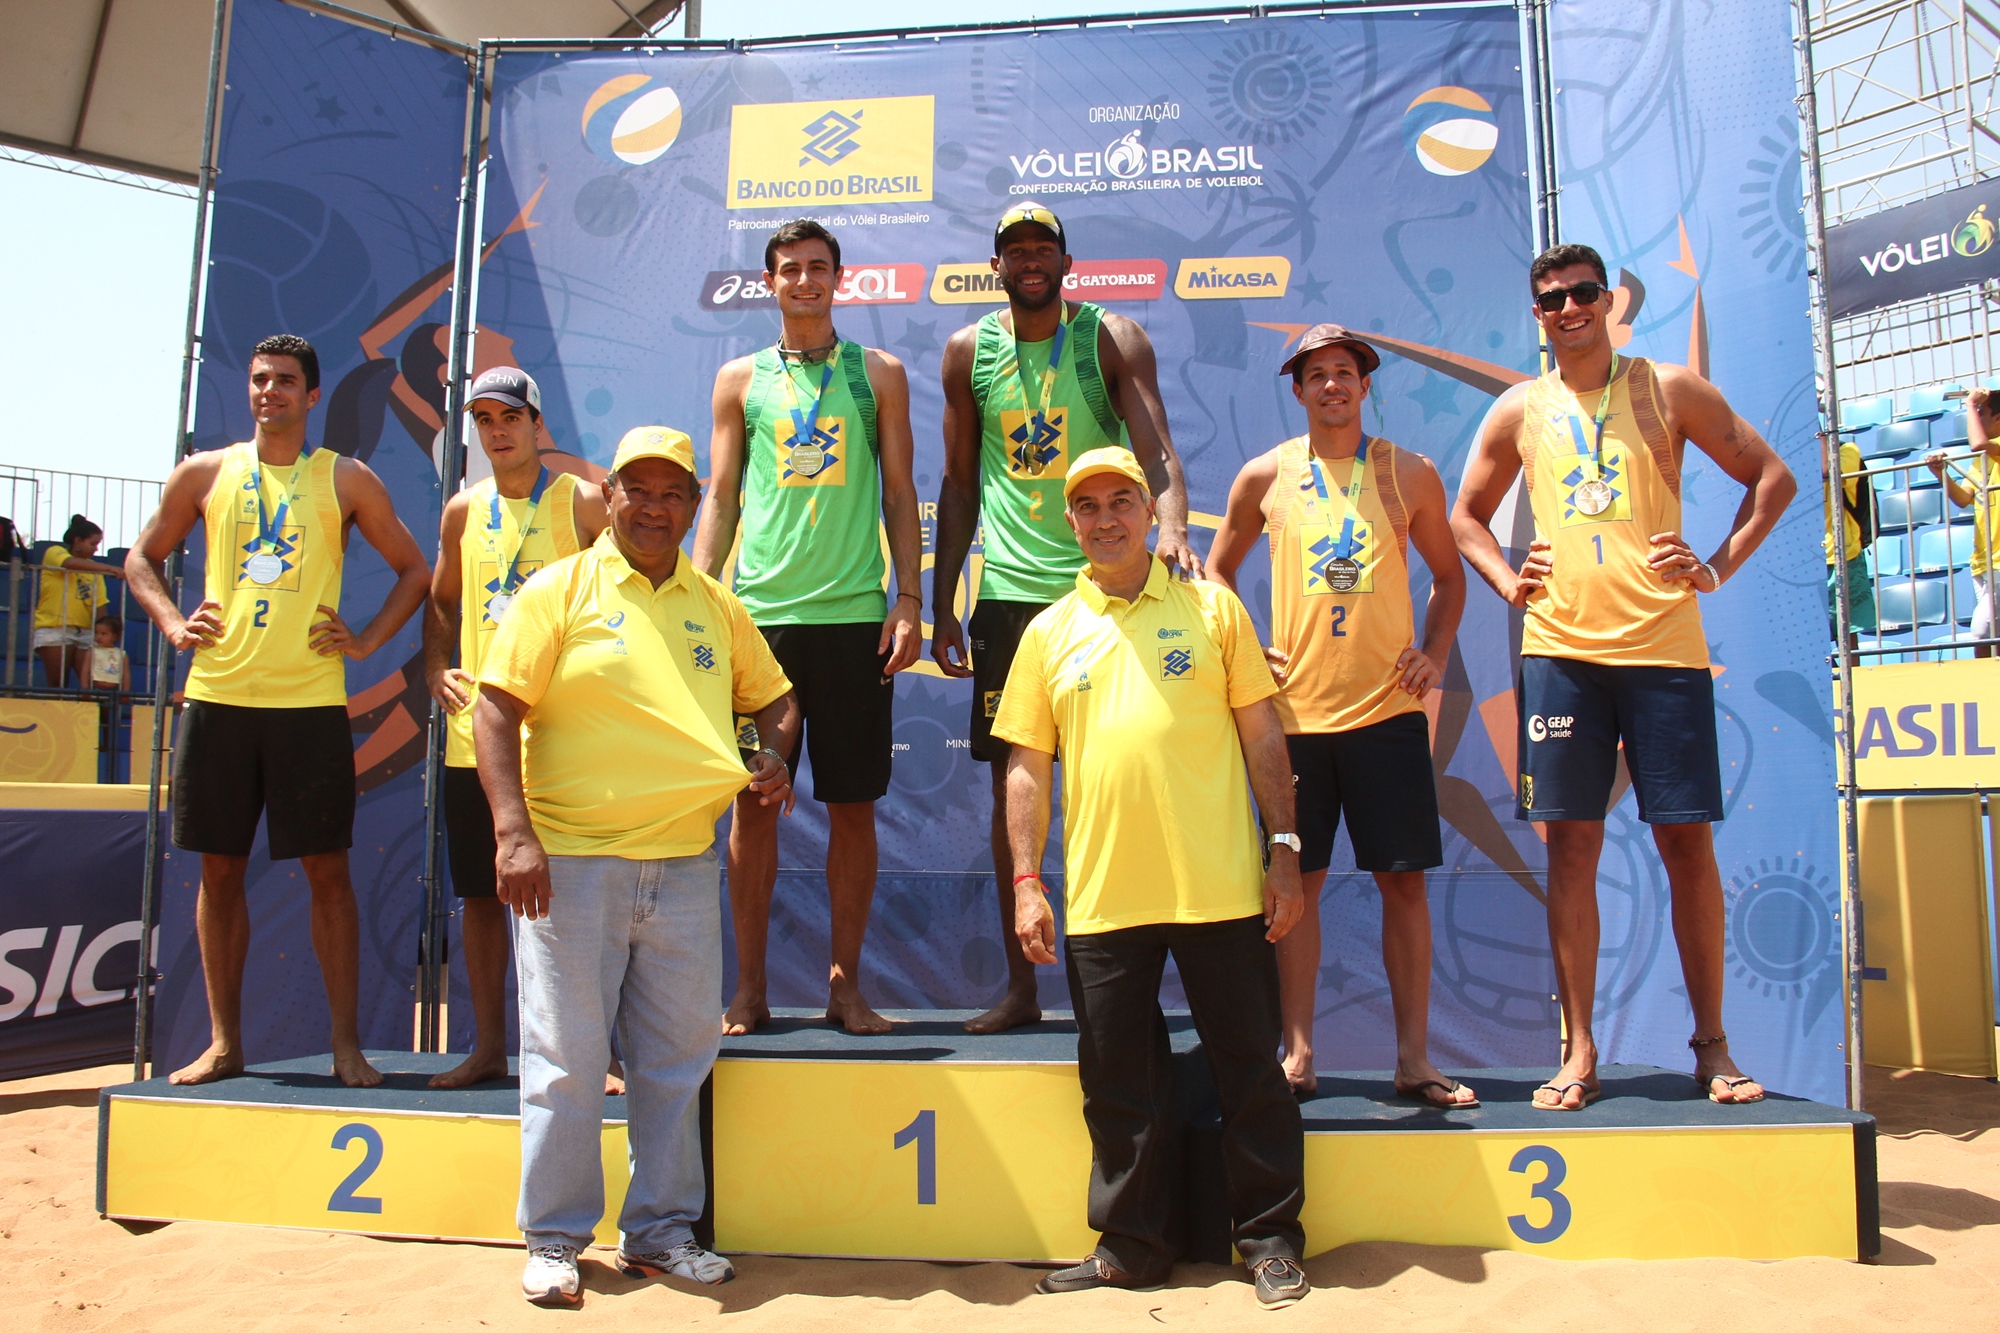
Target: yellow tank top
[502, 536]
[271, 566]
[1603, 603]
[1340, 587]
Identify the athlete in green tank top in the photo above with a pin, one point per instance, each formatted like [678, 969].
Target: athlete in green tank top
[1026, 390]
[811, 458]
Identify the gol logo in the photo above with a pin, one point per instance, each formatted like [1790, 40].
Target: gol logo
[875, 284]
[781, 153]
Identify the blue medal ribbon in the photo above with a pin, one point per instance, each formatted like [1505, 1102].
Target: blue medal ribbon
[512, 579]
[1038, 414]
[805, 425]
[269, 526]
[1346, 547]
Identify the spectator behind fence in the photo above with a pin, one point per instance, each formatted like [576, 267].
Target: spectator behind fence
[72, 592]
[109, 669]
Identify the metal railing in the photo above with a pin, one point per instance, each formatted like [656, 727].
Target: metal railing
[81, 600]
[1923, 595]
[40, 501]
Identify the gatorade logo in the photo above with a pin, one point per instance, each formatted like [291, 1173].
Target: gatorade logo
[870, 150]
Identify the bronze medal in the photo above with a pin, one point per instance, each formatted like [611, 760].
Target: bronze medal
[1341, 574]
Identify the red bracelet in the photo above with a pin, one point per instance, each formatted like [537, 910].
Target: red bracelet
[1019, 878]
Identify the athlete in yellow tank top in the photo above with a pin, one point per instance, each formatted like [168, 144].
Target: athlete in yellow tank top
[493, 536]
[1342, 510]
[265, 735]
[1614, 666]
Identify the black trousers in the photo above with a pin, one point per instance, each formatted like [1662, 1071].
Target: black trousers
[1230, 973]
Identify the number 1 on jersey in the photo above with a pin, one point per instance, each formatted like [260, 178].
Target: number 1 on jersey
[1597, 540]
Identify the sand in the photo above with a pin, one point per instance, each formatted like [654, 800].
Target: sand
[64, 1268]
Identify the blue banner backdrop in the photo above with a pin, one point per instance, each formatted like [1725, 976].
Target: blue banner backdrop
[1680, 162]
[335, 219]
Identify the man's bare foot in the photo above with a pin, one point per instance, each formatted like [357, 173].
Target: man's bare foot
[353, 1069]
[852, 1012]
[1420, 1079]
[1013, 1010]
[1572, 1087]
[475, 1068]
[217, 1062]
[614, 1079]
[1712, 1063]
[744, 1015]
[1299, 1073]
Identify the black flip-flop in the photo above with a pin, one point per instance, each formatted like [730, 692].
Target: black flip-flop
[1561, 1090]
[1707, 1085]
[1415, 1093]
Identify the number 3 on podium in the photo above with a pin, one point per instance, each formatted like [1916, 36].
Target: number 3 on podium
[923, 1132]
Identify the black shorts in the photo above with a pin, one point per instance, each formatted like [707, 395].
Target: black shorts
[468, 835]
[292, 766]
[847, 709]
[1575, 714]
[994, 636]
[1380, 777]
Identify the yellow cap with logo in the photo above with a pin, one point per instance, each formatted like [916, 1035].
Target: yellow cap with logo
[1111, 458]
[1029, 211]
[655, 442]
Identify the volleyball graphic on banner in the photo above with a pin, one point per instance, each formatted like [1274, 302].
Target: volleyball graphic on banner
[631, 121]
[1450, 130]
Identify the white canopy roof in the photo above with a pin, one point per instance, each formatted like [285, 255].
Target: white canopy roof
[123, 82]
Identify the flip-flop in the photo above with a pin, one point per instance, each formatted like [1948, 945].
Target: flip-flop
[1415, 1093]
[1707, 1085]
[1303, 1092]
[1561, 1090]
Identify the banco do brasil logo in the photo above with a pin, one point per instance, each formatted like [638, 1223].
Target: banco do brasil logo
[870, 150]
[1974, 236]
[831, 137]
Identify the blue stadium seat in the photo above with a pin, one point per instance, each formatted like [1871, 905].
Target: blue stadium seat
[1886, 641]
[1890, 477]
[1928, 401]
[1890, 555]
[1903, 602]
[1872, 447]
[1943, 546]
[1867, 411]
[1948, 431]
[1918, 509]
[1903, 435]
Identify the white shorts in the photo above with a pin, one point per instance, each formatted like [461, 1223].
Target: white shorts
[56, 636]
[1982, 607]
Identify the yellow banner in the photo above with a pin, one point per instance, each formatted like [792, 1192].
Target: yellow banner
[1927, 725]
[1232, 279]
[872, 150]
[47, 740]
[966, 284]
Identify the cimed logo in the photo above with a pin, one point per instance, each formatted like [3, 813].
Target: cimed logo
[831, 138]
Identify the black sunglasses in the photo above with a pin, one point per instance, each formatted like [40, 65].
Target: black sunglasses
[1552, 300]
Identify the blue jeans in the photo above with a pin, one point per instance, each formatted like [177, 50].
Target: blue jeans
[638, 944]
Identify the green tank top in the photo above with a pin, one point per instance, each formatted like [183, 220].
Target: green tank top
[1030, 553]
[812, 509]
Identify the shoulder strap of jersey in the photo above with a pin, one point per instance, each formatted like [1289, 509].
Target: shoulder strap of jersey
[1650, 418]
[763, 365]
[989, 342]
[1284, 483]
[1084, 327]
[324, 461]
[1534, 419]
[855, 358]
[1390, 493]
[562, 514]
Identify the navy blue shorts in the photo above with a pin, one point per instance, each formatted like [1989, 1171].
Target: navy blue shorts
[1574, 714]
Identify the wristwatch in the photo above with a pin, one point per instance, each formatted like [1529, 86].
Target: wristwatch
[774, 754]
[1290, 840]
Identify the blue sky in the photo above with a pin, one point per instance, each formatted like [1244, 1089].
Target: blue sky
[96, 277]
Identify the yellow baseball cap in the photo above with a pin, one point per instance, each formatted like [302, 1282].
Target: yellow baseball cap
[655, 442]
[1111, 458]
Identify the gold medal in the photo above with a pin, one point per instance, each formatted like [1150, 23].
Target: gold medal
[1593, 497]
[806, 460]
[263, 568]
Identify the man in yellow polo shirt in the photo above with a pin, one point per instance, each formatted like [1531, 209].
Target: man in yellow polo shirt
[1157, 696]
[628, 666]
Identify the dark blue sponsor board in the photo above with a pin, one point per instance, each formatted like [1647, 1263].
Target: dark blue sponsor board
[1934, 245]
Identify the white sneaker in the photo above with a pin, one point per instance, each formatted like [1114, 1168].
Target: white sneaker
[551, 1277]
[686, 1260]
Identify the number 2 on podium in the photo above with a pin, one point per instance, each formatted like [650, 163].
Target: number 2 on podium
[923, 1132]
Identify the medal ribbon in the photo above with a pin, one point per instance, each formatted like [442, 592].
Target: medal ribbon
[268, 525]
[1314, 467]
[1596, 469]
[805, 425]
[511, 580]
[1037, 415]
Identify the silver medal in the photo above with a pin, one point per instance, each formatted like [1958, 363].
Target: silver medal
[806, 460]
[1594, 497]
[264, 568]
[497, 604]
[1342, 574]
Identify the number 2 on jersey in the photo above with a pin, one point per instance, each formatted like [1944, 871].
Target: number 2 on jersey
[1339, 619]
[1034, 506]
[263, 609]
